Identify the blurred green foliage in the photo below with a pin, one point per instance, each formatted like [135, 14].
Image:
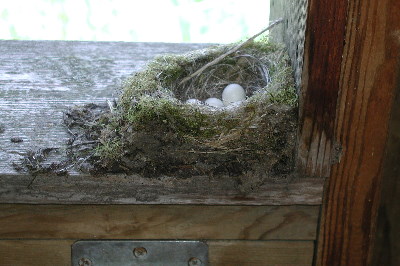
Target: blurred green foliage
[135, 20]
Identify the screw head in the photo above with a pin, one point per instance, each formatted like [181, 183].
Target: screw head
[194, 262]
[85, 262]
[140, 252]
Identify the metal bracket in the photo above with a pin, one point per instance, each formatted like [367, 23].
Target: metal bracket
[143, 253]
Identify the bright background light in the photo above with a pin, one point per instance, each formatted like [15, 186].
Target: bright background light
[220, 21]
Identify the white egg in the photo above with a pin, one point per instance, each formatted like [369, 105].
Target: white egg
[214, 102]
[193, 101]
[233, 93]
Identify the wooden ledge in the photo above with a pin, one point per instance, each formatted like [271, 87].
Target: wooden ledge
[121, 189]
[39, 80]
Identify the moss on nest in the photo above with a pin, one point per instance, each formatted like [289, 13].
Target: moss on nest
[153, 132]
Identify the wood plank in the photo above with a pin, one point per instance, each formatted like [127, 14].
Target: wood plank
[39, 80]
[369, 78]
[157, 222]
[244, 253]
[323, 49]
[34, 252]
[122, 189]
[386, 245]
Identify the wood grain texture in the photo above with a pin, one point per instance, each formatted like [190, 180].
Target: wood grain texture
[387, 244]
[370, 75]
[157, 222]
[122, 189]
[241, 253]
[323, 49]
[39, 80]
[256, 253]
[35, 252]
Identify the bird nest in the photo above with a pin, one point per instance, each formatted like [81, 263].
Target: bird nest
[152, 130]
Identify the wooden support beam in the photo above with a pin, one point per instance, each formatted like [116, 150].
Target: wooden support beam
[387, 244]
[350, 73]
[244, 253]
[369, 77]
[20, 221]
[43, 234]
[121, 189]
[39, 80]
[323, 49]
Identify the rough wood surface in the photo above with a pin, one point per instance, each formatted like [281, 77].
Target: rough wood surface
[387, 244]
[243, 253]
[35, 252]
[39, 80]
[369, 78]
[158, 222]
[258, 253]
[120, 189]
[323, 49]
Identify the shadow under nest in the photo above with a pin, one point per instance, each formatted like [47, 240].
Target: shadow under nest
[152, 131]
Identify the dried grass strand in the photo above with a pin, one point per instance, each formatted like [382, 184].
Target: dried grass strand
[231, 51]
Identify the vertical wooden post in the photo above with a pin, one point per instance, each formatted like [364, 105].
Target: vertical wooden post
[323, 49]
[370, 74]
[314, 33]
[349, 76]
[387, 244]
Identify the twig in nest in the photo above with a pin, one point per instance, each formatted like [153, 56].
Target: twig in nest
[70, 165]
[85, 143]
[231, 51]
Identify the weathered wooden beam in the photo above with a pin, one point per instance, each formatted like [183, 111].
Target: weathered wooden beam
[324, 42]
[39, 80]
[386, 245]
[369, 77]
[314, 33]
[122, 189]
[244, 253]
[20, 221]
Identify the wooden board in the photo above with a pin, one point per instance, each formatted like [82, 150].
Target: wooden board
[244, 253]
[122, 189]
[39, 80]
[35, 252]
[386, 245]
[158, 222]
[369, 78]
[323, 49]
[351, 73]
[258, 253]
